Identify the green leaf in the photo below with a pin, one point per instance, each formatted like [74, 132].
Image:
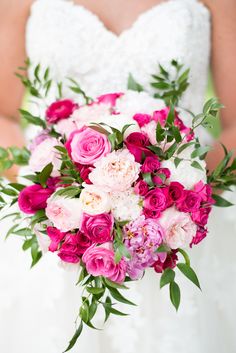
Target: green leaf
[175, 294]
[196, 165]
[16, 186]
[161, 85]
[119, 297]
[184, 146]
[221, 202]
[133, 85]
[160, 133]
[9, 192]
[148, 178]
[163, 248]
[68, 192]
[3, 153]
[113, 311]
[45, 174]
[177, 161]
[167, 277]
[75, 337]
[111, 284]
[94, 290]
[201, 151]
[189, 273]
[35, 120]
[92, 309]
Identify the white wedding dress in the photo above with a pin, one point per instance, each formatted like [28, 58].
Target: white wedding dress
[38, 307]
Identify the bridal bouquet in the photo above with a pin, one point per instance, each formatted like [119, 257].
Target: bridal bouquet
[117, 185]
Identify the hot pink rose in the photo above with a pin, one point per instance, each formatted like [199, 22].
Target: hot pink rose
[205, 191]
[87, 146]
[56, 238]
[98, 228]
[84, 172]
[151, 164]
[165, 175]
[33, 198]
[155, 200]
[137, 143]
[151, 213]
[60, 110]
[99, 261]
[176, 191]
[141, 188]
[200, 235]
[169, 262]
[142, 119]
[190, 202]
[69, 251]
[201, 216]
[109, 98]
[84, 242]
[160, 116]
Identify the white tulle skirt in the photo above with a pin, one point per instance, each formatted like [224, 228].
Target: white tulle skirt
[38, 307]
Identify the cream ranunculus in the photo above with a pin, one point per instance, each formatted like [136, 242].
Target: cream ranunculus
[94, 200]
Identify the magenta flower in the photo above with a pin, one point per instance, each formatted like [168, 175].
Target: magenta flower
[60, 110]
[33, 198]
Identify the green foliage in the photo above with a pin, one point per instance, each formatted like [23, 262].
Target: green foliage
[13, 156]
[133, 85]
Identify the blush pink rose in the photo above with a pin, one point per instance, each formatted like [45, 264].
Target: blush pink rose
[151, 164]
[190, 202]
[142, 119]
[137, 143]
[200, 235]
[155, 200]
[109, 98]
[99, 261]
[56, 237]
[87, 146]
[33, 198]
[60, 110]
[98, 228]
[141, 188]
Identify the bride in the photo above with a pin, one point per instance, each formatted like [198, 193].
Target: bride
[99, 43]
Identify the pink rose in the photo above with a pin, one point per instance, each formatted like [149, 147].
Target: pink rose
[160, 116]
[137, 143]
[178, 227]
[33, 198]
[151, 213]
[176, 191]
[98, 228]
[60, 110]
[201, 216]
[84, 172]
[99, 261]
[84, 242]
[142, 119]
[205, 191]
[69, 251]
[56, 238]
[87, 146]
[168, 262]
[200, 235]
[109, 98]
[150, 165]
[155, 200]
[190, 202]
[165, 175]
[141, 188]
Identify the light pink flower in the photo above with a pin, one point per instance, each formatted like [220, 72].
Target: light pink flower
[94, 200]
[150, 130]
[64, 213]
[99, 261]
[44, 154]
[178, 227]
[115, 172]
[87, 146]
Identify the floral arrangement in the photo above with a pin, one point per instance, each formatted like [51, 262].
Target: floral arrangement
[117, 185]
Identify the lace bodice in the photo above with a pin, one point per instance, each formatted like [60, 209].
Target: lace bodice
[74, 42]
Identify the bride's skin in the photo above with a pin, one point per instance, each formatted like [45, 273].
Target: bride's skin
[117, 16]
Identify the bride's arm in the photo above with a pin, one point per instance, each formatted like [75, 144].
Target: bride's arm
[13, 18]
[224, 71]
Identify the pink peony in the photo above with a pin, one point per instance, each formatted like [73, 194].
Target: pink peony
[33, 198]
[141, 188]
[56, 238]
[99, 261]
[137, 143]
[43, 135]
[109, 98]
[179, 228]
[142, 119]
[60, 110]
[64, 213]
[98, 228]
[87, 146]
[200, 235]
[151, 164]
[190, 202]
[156, 200]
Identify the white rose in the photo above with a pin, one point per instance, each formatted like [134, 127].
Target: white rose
[117, 171]
[44, 154]
[126, 206]
[178, 227]
[64, 213]
[94, 200]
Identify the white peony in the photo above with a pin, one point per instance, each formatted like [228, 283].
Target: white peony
[94, 200]
[117, 171]
[64, 213]
[44, 154]
[178, 227]
[126, 206]
[90, 113]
